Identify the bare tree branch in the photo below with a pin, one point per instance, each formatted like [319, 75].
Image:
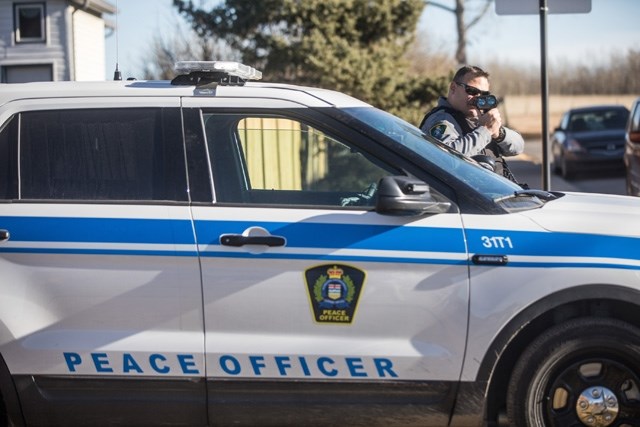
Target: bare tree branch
[461, 26]
[480, 15]
[440, 5]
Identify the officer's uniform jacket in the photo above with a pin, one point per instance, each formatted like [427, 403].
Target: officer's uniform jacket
[468, 138]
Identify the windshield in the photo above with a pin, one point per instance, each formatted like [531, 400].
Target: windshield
[488, 183]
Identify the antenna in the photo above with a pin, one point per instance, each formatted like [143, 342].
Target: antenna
[117, 75]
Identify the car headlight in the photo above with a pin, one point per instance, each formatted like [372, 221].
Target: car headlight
[573, 145]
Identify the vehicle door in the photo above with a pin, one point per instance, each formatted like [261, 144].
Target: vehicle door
[101, 294]
[304, 283]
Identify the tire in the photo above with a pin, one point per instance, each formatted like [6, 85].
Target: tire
[583, 361]
[4, 421]
[556, 164]
[566, 169]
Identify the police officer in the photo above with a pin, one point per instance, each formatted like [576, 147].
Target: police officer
[457, 122]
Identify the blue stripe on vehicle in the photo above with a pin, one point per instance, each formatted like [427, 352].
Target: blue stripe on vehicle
[103, 230]
[556, 244]
[345, 236]
[129, 252]
[316, 236]
[332, 257]
[585, 264]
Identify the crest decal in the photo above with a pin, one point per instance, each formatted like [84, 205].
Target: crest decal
[334, 291]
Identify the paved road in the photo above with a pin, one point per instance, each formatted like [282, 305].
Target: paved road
[528, 168]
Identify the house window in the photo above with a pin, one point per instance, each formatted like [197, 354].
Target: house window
[29, 22]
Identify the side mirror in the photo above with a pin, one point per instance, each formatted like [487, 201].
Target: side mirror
[634, 137]
[401, 195]
[485, 161]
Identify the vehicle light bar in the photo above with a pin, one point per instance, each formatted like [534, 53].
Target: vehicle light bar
[227, 67]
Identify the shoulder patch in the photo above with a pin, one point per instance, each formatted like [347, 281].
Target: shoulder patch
[438, 130]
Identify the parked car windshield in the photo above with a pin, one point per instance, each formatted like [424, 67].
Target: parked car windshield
[488, 183]
[598, 119]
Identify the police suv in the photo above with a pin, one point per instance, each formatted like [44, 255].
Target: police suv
[217, 251]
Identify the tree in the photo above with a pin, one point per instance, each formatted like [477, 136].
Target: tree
[461, 26]
[353, 46]
[182, 44]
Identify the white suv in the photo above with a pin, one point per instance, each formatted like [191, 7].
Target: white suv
[212, 251]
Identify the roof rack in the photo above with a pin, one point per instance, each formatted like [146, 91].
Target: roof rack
[200, 73]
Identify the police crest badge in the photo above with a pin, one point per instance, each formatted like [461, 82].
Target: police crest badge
[334, 291]
[438, 131]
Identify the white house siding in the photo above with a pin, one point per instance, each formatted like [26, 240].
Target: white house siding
[51, 52]
[88, 40]
[74, 48]
[6, 23]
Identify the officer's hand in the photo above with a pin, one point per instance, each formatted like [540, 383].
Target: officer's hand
[492, 121]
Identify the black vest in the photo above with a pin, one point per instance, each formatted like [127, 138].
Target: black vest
[491, 149]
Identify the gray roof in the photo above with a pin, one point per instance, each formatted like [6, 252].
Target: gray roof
[98, 6]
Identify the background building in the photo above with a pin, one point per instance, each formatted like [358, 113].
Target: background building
[53, 40]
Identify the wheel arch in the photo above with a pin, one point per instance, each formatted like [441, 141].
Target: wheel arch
[594, 300]
[10, 409]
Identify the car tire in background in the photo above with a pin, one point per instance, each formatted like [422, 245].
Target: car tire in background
[582, 372]
[566, 169]
[563, 168]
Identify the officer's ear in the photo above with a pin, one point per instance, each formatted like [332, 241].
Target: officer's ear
[452, 87]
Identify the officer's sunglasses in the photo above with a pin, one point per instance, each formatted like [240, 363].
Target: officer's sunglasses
[473, 91]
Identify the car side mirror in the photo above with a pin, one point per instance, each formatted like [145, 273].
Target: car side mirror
[634, 137]
[405, 196]
[485, 161]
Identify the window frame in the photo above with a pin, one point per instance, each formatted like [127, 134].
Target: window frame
[329, 131]
[19, 39]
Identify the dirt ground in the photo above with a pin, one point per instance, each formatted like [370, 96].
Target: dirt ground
[524, 113]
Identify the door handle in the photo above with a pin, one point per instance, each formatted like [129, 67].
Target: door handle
[4, 235]
[241, 240]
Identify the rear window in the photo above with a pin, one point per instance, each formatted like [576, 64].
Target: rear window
[102, 154]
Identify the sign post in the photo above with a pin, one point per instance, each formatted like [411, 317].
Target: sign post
[543, 8]
[544, 91]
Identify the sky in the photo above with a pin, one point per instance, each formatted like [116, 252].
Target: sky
[611, 28]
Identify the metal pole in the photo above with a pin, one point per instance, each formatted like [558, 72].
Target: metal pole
[546, 176]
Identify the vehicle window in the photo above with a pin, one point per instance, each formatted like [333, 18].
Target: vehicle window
[102, 154]
[599, 120]
[635, 120]
[277, 160]
[487, 183]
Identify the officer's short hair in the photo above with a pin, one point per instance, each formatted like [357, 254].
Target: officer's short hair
[471, 70]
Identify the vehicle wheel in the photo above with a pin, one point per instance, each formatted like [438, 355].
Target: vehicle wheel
[4, 421]
[585, 372]
[566, 169]
[556, 164]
